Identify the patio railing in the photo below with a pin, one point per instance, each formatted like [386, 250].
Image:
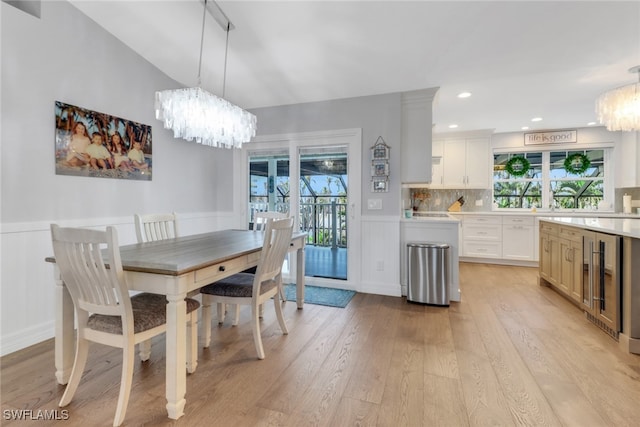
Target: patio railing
[324, 223]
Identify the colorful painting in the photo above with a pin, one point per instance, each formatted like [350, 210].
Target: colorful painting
[93, 144]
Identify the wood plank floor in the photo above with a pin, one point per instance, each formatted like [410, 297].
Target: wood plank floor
[511, 353]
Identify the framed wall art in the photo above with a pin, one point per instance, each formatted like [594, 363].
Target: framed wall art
[380, 166]
[93, 144]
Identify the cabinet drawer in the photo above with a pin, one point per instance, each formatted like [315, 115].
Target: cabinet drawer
[517, 220]
[217, 271]
[479, 219]
[483, 249]
[570, 233]
[546, 227]
[482, 232]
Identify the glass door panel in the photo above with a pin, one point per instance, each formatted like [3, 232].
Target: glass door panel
[323, 211]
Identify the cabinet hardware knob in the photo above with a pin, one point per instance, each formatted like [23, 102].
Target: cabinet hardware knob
[222, 268]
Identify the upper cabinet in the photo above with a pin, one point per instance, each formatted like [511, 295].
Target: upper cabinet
[464, 163]
[417, 119]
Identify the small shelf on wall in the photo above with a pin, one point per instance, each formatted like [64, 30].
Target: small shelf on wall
[380, 166]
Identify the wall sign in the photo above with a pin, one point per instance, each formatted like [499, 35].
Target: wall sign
[555, 137]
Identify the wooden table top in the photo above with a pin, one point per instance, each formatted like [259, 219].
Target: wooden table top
[185, 254]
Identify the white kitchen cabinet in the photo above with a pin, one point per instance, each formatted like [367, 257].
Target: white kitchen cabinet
[482, 236]
[415, 156]
[465, 164]
[518, 235]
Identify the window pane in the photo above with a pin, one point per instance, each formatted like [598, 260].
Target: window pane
[518, 194]
[500, 162]
[577, 194]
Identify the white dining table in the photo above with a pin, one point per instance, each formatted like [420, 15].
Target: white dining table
[174, 268]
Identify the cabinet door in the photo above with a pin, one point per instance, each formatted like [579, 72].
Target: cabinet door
[545, 256]
[517, 242]
[576, 260]
[565, 279]
[454, 171]
[478, 167]
[437, 164]
[549, 258]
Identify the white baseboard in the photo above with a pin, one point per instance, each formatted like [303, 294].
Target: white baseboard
[27, 337]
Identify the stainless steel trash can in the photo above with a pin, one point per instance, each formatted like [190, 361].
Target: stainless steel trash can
[428, 273]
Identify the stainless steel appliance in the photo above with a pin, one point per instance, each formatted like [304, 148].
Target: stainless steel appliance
[601, 280]
[428, 273]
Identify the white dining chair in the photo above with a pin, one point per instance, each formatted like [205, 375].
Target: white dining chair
[153, 227]
[91, 268]
[260, 220]
[254, 289]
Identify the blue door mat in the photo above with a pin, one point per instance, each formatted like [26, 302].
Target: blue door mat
[320, 296]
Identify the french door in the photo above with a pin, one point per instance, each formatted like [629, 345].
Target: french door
[314, 177]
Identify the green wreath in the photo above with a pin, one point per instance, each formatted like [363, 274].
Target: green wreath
[577, 163]
[518, 166]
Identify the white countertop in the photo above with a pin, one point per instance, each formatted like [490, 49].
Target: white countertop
[439, 217]
[629, 227]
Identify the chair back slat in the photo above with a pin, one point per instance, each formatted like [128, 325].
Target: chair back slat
[260, 219]
[277, 239]
[154, 227]
[90, 266]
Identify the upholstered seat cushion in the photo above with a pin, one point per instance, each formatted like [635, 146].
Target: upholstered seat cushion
[149, 311]
[239, 285]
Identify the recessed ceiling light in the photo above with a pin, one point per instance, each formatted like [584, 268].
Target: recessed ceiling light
[536, 119]
[525, 127]
[464, 94]
[453, 126]
[591, 124]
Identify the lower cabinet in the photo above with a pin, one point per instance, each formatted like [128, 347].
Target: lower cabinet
[518, 238]
[549, 267]
[570, 277]
[508, 237]
[482, 236]
[561, 259]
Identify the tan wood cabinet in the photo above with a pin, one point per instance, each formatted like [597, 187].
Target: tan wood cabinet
[549, 269]
[571, 257]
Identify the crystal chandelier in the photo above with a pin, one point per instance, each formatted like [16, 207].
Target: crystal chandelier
[619, 108]
[195, 114]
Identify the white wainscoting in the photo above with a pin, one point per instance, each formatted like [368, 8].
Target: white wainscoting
[27, 287]
[27, 314]
[380, 266]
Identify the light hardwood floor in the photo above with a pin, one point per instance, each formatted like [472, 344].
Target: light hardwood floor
[511, 353]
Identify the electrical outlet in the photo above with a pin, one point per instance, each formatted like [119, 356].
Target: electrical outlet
[380, 266]
[374, 204]
[479, 202]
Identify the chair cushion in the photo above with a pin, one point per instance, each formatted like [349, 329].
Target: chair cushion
[149, 311]
[239, 285]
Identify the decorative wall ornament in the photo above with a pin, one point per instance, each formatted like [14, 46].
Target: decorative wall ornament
[89, 143]
[577, 163]
[518, 166]
[380, 166]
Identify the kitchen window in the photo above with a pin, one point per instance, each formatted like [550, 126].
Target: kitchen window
[549, 184]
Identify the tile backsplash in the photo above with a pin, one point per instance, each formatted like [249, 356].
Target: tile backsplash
[480, 200]
[440, 200]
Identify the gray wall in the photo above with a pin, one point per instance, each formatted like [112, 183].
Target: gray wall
[377, 115]
[65, 56]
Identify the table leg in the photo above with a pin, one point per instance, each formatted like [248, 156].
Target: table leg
[176, 341]
[300, 277]
[64, 345]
